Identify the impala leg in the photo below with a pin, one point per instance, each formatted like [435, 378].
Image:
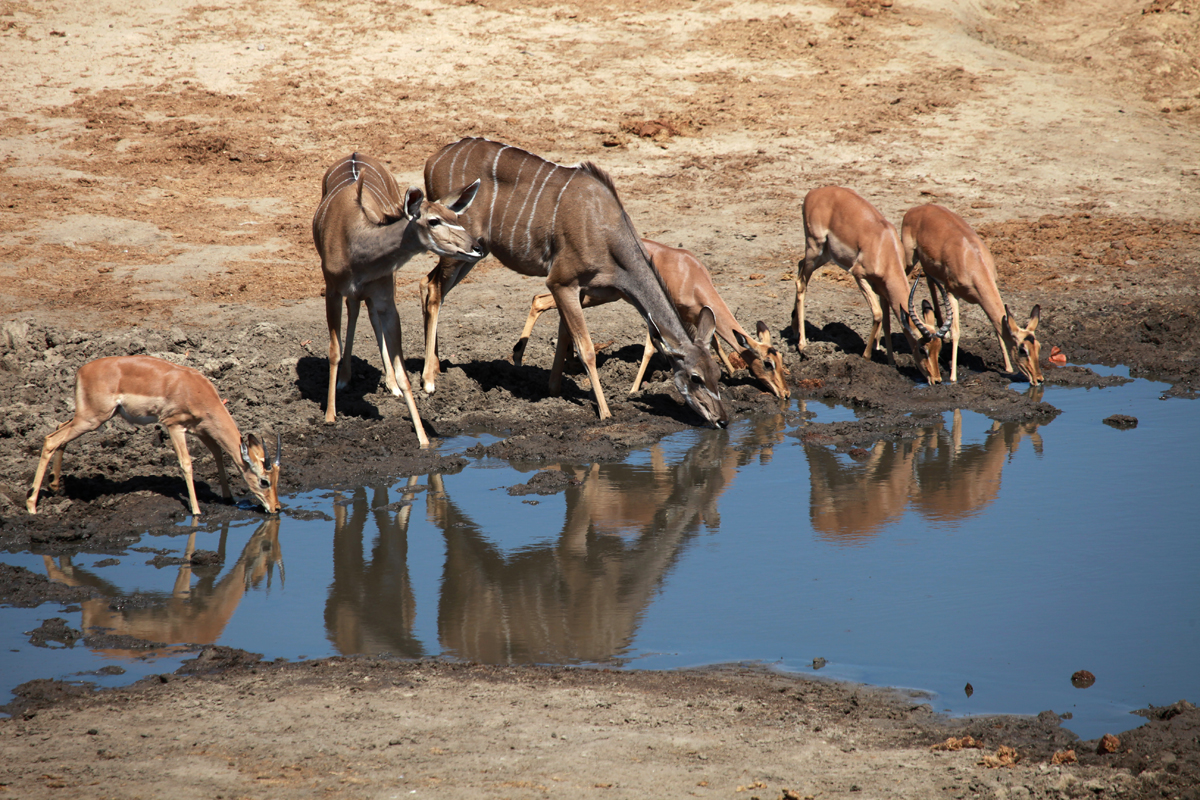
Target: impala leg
[218, 456]
[571, 315]
[873, 303]
[1008, 367]
[179, 440]
[954, 309]
[333, 318]
[647, 353]
[52, 448]
[541, 304]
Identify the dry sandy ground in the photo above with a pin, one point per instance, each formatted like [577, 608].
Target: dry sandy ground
[160, 164]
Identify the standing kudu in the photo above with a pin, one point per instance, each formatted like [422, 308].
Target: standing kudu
[565, 224]
[840, 226]
[953, 254]
[691, 289]
[364, 231]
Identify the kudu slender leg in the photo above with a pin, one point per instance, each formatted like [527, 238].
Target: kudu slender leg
[333, 318]
[353, 305]
[572, 325]
[434, 288]
[387, 322]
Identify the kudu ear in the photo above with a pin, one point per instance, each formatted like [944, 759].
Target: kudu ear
[459, 203]
[412, 202]
[660, 344]
[706, 326]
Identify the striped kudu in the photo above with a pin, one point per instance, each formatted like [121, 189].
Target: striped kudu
[691, 289]
[364, 231]
[953, 254]
[565, 224]
[840, 226]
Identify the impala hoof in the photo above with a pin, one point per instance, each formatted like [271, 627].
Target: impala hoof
[429, 387]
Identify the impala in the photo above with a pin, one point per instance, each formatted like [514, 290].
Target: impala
[843, 228]
[143, 390]
[952, 253]
[364, 231]
[691, 289]
[565, 224]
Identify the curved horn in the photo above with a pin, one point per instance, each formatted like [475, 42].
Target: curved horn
[947, 310]
[914, 316]
[278, 447]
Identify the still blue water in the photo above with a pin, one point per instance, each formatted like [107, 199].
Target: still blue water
[1006, 556]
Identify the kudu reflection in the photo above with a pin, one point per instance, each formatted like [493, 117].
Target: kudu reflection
[576, 598]
[191, 614]
[934, 473]
[371, 607]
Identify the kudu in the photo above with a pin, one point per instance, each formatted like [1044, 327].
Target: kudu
[144, 389]
[952, 253]
[565, 224]
[841, 227]
[691, 289]
[364, 231]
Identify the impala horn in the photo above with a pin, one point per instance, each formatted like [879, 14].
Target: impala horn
[278, 448]
[947, 310]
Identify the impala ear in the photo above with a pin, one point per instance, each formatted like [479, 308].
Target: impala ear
[740, 338]
[1034, 317]
[459, 203]
[764, 333]
[412, 202]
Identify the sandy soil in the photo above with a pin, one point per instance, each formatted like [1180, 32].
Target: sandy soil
[161, 163]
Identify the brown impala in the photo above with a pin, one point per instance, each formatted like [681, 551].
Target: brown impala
[565, 224]
[364, 231]
[840, 226]
[144, 389]
[691, 289]
[953, 254]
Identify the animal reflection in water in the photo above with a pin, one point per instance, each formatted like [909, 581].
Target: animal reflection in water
[191, 614]
[576, 598]
[934, 473]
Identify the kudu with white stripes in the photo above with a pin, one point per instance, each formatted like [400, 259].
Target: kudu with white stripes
[365, 230]
[565, 224]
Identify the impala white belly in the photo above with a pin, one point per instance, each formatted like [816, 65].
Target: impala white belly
[139, 410]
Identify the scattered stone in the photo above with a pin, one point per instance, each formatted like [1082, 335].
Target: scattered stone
[1121, 421]
[1108, 744]
[1082, 679]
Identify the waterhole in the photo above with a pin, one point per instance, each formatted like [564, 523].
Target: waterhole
[1001, 555]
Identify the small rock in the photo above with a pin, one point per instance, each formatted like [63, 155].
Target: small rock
[1121, 421]
[1082, 679]
[1108, 744]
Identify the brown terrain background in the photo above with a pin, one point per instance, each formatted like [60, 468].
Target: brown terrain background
[159, 166]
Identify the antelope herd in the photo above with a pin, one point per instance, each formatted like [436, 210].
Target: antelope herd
[565, 224]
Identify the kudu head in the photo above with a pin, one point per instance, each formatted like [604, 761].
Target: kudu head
[764, 361]
[1023, 345]
[929, 346]
[436, 223]
[696, 373]
[261, 471]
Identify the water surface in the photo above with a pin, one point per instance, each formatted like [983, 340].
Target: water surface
[1004, 555]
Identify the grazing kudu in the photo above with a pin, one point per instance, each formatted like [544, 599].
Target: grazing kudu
[144, 389]
[364, 231]
[691, 289]
[953, 254]
[843, 228]
[565, 224]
